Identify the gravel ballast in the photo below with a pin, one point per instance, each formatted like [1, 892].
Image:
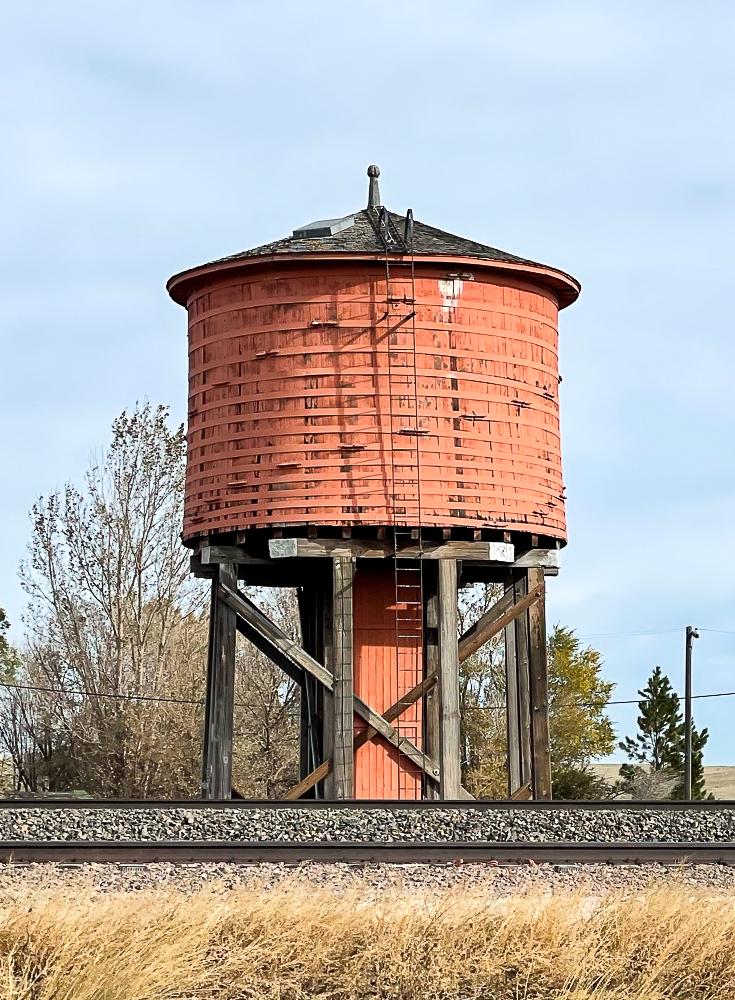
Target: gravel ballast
[498, 881]
[369, 824]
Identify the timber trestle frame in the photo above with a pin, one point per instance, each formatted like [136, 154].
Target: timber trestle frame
[323, 667]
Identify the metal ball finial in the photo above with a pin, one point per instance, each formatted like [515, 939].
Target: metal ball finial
[373, 173]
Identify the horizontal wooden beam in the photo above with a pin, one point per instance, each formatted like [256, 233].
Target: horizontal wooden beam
[280, 644]
[211, 554]
[494, 621]
[355, 548]
[322, 548]
[365, 736]
[538, 559]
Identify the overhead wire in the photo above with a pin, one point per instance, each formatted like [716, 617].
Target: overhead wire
[627, 701]
[117, 696]
[80, 692]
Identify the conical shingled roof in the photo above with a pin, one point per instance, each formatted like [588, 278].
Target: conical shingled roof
[362, 237]
[375, 230]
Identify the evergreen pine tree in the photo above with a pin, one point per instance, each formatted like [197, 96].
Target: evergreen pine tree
[660, 728]
[659, 743]
[699, 740]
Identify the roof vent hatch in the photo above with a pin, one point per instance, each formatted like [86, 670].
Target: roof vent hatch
[325, 227]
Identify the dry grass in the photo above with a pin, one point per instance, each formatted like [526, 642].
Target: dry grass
[298, 942]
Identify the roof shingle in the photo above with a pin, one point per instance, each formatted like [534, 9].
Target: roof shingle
[361, 237]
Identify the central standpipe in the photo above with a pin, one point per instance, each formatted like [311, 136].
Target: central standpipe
[374, 421]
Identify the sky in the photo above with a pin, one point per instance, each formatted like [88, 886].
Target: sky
[139, 139]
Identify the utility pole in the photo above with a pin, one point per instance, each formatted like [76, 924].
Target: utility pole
[692, 634]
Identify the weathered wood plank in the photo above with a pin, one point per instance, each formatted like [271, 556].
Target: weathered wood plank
[342, 691]
[496, 611]
[538, 677]
[431, 666]
[327, 548]
[298, 548]
[523, 667]
[211, 555]
[285, 663]
[283, 647]
[522, 794]
[513, 735]
[365, 735]
[326, 700]
[450, 768]
[308, 782]
[220, 693]
[469, 644]
[277, 639]
[539, 559]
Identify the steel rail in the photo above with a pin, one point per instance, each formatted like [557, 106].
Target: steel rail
[466, 805]
[187, 852]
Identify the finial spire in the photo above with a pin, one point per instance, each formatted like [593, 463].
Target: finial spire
[373, 173]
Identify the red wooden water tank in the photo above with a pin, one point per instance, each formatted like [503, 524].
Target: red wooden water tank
[289, 397]
[294, 413]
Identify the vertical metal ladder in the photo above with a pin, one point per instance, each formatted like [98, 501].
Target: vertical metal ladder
[405, 435]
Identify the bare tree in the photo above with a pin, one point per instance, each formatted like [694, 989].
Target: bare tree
[481, 690]
[266, 744]
[115, 615]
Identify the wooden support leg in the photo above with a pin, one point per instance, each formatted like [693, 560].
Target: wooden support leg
[522, 665]
[305, 601]
[326, 698]
[511, 699]
[310, 744]
[450, 782]
[344, 730]
[220, 695]
[431, 666]
[539, 683]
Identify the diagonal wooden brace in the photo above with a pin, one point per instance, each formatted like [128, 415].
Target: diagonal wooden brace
[277, 644]
[365, 736]
[502, 613]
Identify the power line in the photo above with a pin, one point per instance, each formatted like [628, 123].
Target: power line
[78, 692]
[592, 704]
[644, 632]
[100, 694]
[615, 635]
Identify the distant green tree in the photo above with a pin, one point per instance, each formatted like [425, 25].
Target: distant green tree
[699, 741]
[660, 728]
[574, 783]
[659, 742]
[579, 729]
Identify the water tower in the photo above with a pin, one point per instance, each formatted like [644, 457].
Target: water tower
[374, 420]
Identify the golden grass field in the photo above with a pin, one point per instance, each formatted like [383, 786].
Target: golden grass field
[299, 941]
[718, 779]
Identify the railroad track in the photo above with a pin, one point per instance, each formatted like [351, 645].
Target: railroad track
[420, 805]
[183, 852]
[406, 851]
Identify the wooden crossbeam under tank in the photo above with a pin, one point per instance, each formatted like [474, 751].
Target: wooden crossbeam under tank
[330, 548]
